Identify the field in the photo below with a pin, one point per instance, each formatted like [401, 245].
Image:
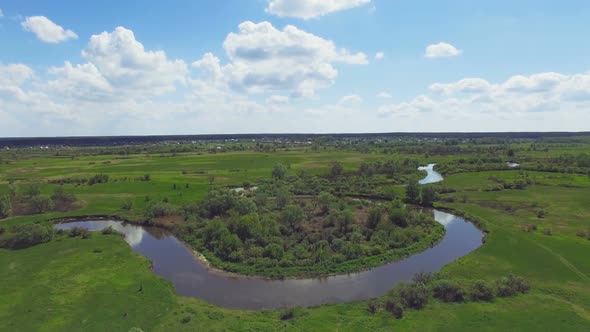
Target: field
[99, 284]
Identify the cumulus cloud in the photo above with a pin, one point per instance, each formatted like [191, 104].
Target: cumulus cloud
[384, 95]
[125, 64]
[47, 31]
[265, 59]
[441, 50]
[542, 92]
[379, 56]
[308, 9]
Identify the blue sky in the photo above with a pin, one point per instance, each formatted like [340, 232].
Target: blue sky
[197, 67]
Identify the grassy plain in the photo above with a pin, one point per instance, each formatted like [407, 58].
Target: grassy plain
[93, 284]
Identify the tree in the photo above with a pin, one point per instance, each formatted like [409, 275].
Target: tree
[279, 171]
[324, 201]
[428, 196]
[283, 196]
[32, 190]
[374, 217]
[5, 206]
[412, 191]
[228, 244]
[27, 235]
[399, 217]
[39, 204]
[345, 219]
[292, 215]
[273, 251]
[245, 206]
[61, 199]
[336, 169]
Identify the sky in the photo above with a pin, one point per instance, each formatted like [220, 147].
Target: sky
[78, 68]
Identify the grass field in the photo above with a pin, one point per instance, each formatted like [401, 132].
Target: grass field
[100, 284]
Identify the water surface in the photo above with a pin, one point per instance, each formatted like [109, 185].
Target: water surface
[432, 176]
[174, 261]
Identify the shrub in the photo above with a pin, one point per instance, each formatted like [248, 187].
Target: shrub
[98, 178]
[108, 230]
[541, 213]
[79, 231]
[423, 278]
[185, 319]
[5, 206]
[481, 291]
[547, 231]
[512, 285]
[28, 235]
[287, 314]
[39, 204]
[448, 291]
[413, 296]
[127, 204]
[373, 306]
[395, 307]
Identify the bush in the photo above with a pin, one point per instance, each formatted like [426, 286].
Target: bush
[28, 235]
[5, 206]
[512, 285]
[541, 213]
[448, 291]
[287, 314]
[547, 231]
[481, 291]
[413, 296]
[185, 319]
[39, 204]
[79, 231]
[98, 178]
[108, 230]
[373, 306]
[423, 278]
[395, 307]
[127, 205]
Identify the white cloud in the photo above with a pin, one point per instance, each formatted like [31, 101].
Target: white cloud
[265, 59]
[542, 92]
[441, 50]
[379, 56]
[372, 9]
[308, 9]
[1, 13]
[46, 30]
[350, 100]
[127, 66]
[384, 95]
[466, 85]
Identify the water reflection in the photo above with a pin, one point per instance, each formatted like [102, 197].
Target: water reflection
[432, 176]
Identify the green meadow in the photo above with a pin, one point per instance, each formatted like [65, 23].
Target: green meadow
[74, 284]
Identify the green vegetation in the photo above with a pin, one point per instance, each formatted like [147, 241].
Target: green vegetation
[520, 279]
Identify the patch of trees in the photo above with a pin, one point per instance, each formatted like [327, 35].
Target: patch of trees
[275, 232]
[423, 195]
[427, 287]
[501, 184]
[26, 235]
[27, 199]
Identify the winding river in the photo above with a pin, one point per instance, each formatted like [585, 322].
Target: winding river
[174, 261]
